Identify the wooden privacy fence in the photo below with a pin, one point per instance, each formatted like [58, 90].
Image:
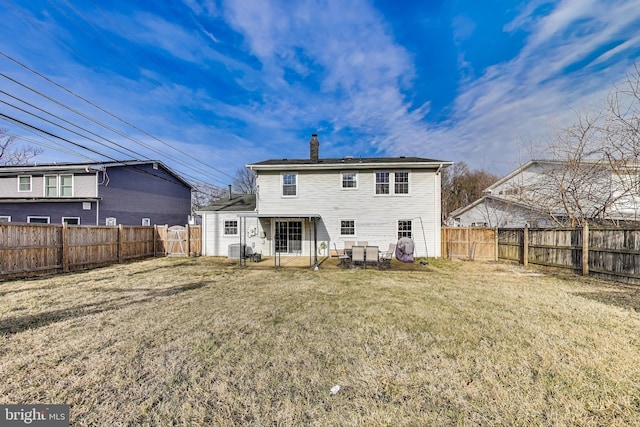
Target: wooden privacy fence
[469, 243]
[28, 249]
[611, 253]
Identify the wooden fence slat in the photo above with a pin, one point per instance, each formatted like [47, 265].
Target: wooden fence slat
[29, 249]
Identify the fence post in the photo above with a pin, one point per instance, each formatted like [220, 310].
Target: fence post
[585, 249]
[188, 231]
[496, 252]
[155, 242]
[525, 245]
[120, 243]
[65, 247]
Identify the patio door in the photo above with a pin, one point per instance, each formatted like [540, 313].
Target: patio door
[289, 237]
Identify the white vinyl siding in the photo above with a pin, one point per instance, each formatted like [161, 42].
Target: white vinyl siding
[81, 185]
[319, 193]
[216, 243]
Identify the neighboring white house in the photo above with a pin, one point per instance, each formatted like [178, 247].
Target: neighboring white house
[311, 206]
[531, 195]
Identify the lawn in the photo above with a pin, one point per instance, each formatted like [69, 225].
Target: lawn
[199, 341]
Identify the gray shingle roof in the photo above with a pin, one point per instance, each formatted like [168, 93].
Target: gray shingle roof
[348, 160]
[237, 203]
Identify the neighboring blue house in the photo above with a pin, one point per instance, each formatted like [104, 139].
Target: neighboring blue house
[132, 192]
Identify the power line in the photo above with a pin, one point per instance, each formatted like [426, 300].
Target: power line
[107, 112]
[20, 123]
[97, 122]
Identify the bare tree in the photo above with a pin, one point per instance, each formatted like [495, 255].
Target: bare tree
[245, 181]
[593, 175]
[204, 194]
[10, 154]
[460, 187]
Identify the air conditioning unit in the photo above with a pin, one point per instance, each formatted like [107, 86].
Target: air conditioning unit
[236, 250]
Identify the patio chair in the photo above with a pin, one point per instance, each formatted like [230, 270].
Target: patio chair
[357, 255]
[371, 256]
[348, 244]
[345, 260]
[387, 256]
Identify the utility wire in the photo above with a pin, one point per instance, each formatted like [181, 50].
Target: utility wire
[108, 113]
[99, 123]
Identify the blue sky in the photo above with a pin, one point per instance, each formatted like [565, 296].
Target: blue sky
[209, 86]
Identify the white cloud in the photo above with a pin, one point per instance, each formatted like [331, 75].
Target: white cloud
[519, 100]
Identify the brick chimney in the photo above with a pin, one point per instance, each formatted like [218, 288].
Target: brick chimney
[314, 148]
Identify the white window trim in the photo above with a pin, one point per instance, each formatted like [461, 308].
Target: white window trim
[224, 227]
[408, 183]
[392, 183]
[111, 221]
[44, 185]
[7, 218]
[71, 217]
[58, 181]
[410, 221]
[30, 184]
[29, 218]
[146, 222]
[60, 184]
[355, 227]
[342, 187]
[289, 196]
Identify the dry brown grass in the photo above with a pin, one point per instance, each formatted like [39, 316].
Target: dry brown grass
[203, 342]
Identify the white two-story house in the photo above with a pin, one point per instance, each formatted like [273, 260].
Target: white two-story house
[552, 193]
[305, 207]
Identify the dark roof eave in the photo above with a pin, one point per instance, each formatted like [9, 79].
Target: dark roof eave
[417, 162]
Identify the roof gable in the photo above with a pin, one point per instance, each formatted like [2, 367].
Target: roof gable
[86, 167]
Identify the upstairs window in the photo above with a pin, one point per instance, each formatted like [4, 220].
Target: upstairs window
[392, 182]
[24, 183]
[289, 184]
[349, 180]
[58, 185]
[66, 185]
[401, 184]
[51, 186]
[382, 182]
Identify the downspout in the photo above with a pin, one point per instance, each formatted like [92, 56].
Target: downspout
[437, 194]
[97, 199]
[315, 242]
